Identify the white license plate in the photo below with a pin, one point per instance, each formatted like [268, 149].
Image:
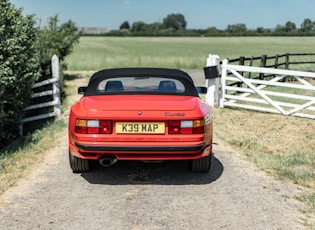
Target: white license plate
[140, 127]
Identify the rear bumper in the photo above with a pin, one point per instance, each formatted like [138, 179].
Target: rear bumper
[140, 148]
[142, 152]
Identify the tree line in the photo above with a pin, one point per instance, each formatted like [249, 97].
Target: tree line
[175, 25]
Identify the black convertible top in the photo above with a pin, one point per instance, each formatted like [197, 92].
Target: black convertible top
[141, 71]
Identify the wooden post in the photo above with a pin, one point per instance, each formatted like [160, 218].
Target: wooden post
[263, 64]
[287, 63]
[250, 64]
[56, 84]
[241, 62]
[276, 61]
[21, 129]
[213, 84]
[223, 82]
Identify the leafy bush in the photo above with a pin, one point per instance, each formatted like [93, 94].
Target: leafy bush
[25, 56]
[19, 67]
[56, 39]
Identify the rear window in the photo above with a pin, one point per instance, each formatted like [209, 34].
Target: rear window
[141, 84]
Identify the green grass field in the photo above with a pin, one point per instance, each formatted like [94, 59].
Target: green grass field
[95, 53]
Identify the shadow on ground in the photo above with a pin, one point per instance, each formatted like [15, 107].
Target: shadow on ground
[164, 173]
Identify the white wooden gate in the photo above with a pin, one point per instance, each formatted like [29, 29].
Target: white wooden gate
[55, 92]
[287, 92]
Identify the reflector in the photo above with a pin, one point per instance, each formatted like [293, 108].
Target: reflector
[93, 123]
[186, 124]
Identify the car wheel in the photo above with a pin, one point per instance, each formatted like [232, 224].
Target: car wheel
[78, 165]
[200, 165]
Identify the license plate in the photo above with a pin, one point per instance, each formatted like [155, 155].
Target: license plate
[140, 127]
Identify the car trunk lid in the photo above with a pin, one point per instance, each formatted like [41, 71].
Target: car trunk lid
[140, 102]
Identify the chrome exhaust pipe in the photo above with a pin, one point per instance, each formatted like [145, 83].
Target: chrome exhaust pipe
[107, 161]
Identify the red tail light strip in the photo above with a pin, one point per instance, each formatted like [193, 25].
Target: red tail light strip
[105, 127]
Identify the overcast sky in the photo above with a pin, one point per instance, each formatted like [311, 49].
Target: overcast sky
[199, 14]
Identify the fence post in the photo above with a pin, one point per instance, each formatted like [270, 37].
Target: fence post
[21, 129]
[263, 63]
[241, 62]
[56, 84]
[287, 61]
[212, 82]
[223, 82]
[276, 61]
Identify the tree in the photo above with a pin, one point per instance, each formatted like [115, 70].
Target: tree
[307, 25]
[260, 30]
[280, 28]
[236, 28]
[212, 31]
[290, 26]
[124, 25]
[56, 39]
[139, 27]
[19, 67]
[155, 27]
[175, 21]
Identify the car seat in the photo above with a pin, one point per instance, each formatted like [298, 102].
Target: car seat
[167, 86]
[114, 86]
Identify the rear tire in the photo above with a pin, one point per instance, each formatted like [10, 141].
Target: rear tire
[200, 165]
[78, 165]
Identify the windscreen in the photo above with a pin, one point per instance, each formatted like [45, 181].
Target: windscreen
[143, 85]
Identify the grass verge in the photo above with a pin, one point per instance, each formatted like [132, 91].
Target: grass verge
[18, 158]
[21, 155]
[282, 146]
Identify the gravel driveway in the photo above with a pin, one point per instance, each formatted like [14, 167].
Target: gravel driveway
[137, 195]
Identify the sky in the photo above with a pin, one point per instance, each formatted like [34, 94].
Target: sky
[199, 14]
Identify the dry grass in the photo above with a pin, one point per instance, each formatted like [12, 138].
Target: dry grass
[282, 146]
[271, 141]
[17, 159]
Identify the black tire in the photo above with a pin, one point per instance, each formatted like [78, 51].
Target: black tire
[201, 165]
[78, 165]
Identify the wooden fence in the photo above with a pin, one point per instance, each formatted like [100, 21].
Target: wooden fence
[284, 61]
[54, 94]
[292, 61]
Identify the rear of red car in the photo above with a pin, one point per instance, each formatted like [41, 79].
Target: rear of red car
[140, 126]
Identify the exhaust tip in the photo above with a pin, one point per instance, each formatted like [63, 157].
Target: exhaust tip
[107, 161]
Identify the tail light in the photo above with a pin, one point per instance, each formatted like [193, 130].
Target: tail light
[93, 126]
[186, 127]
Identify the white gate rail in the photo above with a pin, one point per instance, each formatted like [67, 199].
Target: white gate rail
[294, 98]
[55, 92]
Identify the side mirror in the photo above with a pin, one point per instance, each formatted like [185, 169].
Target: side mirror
[201, 89]
[81, 90]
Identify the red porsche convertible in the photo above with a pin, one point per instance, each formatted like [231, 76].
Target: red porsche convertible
[146, 114]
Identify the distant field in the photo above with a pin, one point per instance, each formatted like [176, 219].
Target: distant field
[94, 53]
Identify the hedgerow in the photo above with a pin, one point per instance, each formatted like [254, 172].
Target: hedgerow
[19, 67]
[25, 56]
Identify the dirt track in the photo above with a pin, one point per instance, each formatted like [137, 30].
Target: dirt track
[135, 195]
